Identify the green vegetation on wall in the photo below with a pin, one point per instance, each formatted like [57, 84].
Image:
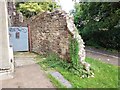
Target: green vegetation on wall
[74, 49]
[74, 66]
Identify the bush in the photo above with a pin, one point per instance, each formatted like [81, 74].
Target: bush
[99, 23]
[107, 39]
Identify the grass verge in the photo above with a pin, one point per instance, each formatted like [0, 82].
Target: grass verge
[106, 75]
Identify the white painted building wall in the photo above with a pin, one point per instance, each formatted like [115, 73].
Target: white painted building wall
[4, 37]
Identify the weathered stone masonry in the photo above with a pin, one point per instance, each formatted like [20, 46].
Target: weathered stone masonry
[49, 33]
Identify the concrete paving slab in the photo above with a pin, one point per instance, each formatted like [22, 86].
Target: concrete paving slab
[61, 79]
[27, 74]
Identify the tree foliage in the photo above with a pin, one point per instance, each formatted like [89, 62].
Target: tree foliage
[32, 8]
[99, 23]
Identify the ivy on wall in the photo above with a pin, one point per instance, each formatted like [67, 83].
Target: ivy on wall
[74, 49]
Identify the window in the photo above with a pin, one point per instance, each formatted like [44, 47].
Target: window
[17, 35]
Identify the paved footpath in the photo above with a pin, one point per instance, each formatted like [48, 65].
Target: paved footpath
[28, 74]
[103, 55]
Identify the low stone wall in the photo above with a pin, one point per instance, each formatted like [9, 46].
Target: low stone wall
[49, 33]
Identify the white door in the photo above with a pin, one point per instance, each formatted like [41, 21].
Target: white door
[19, 38]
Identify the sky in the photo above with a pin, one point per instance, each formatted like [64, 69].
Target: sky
[67, 5]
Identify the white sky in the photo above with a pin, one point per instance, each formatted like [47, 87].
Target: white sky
[67, 5]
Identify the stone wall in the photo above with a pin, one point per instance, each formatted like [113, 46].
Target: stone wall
[49, 33]
[11, 12]
[15, 18]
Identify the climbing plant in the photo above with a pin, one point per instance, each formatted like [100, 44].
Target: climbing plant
[74, 49]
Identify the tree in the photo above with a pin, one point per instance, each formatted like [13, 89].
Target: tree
[99, 23]
[32, 8]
